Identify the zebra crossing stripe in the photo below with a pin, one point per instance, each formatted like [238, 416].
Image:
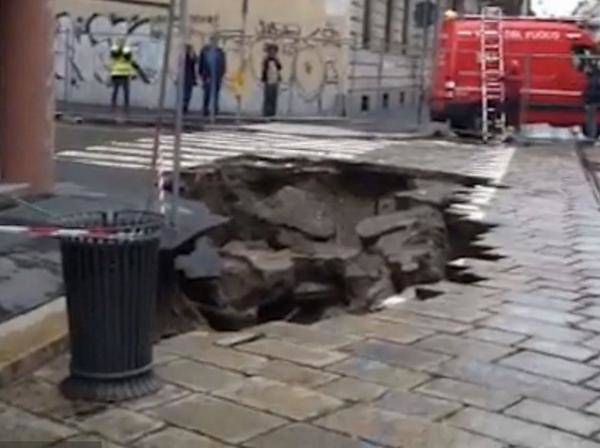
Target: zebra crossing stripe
[144, 155]
[202, 148]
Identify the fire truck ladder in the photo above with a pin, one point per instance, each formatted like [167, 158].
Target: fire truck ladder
[492, 73]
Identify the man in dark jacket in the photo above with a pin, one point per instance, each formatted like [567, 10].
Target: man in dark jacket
[271, 77]
[592, 95]
[211, 68]
[189, 81]
[513, 84]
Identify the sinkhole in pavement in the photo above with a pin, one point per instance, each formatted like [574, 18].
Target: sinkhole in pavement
[308, 239]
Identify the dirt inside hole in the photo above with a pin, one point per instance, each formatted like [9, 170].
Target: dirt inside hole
[307, 239]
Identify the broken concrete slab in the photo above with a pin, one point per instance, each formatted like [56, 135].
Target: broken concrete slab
[300, 223]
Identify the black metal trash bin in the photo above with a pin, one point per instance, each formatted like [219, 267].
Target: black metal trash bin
[111, 287]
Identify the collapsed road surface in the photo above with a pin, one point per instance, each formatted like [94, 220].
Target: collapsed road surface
[307, 239]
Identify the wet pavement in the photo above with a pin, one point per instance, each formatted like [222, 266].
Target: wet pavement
[510, 361]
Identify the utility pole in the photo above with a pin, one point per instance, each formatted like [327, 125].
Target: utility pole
[244, 62]
[424, 61]
[176, 184]
[157, 160]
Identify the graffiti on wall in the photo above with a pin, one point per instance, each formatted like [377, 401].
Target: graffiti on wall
[312, 61]
[82, 45]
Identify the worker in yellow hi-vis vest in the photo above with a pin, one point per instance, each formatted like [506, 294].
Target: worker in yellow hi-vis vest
[123, 69]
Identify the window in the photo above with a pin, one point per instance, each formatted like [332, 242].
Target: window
[385, 101]
[389, 22]
[402, 98]
[364, 103]
[367, 19]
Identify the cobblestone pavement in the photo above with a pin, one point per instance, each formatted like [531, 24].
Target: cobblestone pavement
[511, 361]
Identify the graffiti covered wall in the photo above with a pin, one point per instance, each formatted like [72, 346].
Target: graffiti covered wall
[313, 52]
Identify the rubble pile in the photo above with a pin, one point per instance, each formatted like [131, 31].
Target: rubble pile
[306, 239]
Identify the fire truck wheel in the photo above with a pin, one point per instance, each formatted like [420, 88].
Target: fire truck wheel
[466, 126]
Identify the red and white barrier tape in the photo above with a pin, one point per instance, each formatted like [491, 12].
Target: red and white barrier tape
[59, 232]
[161, 172]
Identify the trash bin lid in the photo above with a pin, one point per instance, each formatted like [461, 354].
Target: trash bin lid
[128, 224]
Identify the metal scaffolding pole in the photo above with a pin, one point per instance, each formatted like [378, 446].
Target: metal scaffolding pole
[176, 184]
[157, 164]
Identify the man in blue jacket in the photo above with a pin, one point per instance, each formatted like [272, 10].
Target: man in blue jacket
[211, 68]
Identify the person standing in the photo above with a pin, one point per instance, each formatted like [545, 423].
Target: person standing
[211, 68]
[271, 77]
[122, 69]
[513, 89]
[592, 96]
[190, 80]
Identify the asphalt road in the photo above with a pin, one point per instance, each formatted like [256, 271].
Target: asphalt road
[30, 270]
[78, 136]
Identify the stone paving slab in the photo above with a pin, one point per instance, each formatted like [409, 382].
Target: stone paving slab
[406, 317]
[519, 382]
[217, 418]
[496, 336]
[556, 417]
[468, 393]
[353, 390]
[293, 352]
[391, 429]
[290, 373]
[41, 397]
[417, 405]
[87, 440]
[465, 314]
[288, 401]
[569, 351]
[366, 326]
[307, 336]
[531, 327]
[177, 438]
[550, 366]
[301, 435]
[550, 316]
[120, 426]
[21, 426]
[166, 394]
[197, 376]
[397, 355]
[223, 358]
[517, 432]
[464, 348]
[380, 373]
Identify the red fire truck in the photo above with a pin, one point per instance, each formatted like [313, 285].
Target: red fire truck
[547, 54]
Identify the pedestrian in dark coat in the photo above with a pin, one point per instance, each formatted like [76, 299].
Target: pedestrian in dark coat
[513, 87]
[271, 78]
[592, 95]
[190, 78]
[212, 66]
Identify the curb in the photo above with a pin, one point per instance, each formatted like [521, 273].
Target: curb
[32, 339]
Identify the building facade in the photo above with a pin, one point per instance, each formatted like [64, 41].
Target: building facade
[587, 8]
[340, 57]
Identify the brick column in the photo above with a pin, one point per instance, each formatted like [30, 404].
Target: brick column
[27, 93]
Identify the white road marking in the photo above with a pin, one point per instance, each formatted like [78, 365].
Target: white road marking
[205, 147]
